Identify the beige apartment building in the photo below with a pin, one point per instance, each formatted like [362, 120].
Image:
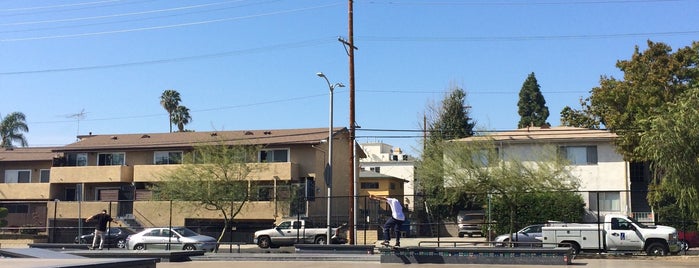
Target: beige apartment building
[115, 172]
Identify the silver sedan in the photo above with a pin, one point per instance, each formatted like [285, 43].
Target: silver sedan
[529, 236]
[175, 238]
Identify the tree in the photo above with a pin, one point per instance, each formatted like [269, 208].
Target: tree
[3, 214]
[672, 145]
[579, 118]
[653, 79]
[531, 104]
[452, 117]
[474, 166]
[537, 208]
[450, 120]
[11, 129]
[181, 117]
[170, 100]
[214, 176]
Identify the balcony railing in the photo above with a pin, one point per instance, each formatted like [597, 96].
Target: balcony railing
[88, 174]
[259, 171]
[24, 190]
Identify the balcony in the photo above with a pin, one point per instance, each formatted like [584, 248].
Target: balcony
[91, 174]
[259, 171]
[24, 191]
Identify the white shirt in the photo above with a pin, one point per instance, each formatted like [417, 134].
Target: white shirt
[396, 209]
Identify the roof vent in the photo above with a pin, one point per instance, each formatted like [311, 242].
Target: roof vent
[145, 136]
[268, 132]
[248, 132]
[214, 134]
[114, 138]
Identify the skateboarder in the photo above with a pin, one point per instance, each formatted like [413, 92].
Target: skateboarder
[395, 222]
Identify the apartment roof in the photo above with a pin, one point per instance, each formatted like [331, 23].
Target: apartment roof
[189, 139]
[368, 174]
[27, 154]
[551, 134]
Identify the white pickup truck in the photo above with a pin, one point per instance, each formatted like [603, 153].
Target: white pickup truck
[617, 233]
[290, 232]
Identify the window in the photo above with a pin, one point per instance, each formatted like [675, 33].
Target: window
[18, 176]
[274, 155]
[369, 185]
[165, 158]
[76, 159]
[375, 169]
[45, 175]
[580, 155]
[110, 159]
[17, 208]
[608, 201]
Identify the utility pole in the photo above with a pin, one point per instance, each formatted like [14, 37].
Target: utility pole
[352, 122]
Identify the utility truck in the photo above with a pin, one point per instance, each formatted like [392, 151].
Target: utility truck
[290, 232]
[618, 233]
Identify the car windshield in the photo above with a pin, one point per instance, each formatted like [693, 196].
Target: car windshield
[185, 232]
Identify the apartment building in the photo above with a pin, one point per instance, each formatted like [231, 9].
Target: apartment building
[24, 185]
[609, 184]
[115, 172]
[392, 161]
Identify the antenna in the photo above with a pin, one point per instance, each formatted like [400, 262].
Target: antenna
[78, 116]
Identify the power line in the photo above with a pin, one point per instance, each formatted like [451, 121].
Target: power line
[518, 38]
[58, 6]
[164, 26]
[522, 3]
[62, 8]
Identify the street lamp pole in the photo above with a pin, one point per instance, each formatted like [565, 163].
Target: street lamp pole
[328, 168]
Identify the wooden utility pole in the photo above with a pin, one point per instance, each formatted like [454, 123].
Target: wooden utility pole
[352, 122]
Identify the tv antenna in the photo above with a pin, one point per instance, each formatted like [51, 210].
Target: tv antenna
[78, 116]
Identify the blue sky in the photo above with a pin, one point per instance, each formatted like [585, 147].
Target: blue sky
[245, 65]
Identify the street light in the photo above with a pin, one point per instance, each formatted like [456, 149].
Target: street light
[328, 168]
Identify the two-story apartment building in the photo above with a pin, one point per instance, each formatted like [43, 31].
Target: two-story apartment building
[609, 184]
[115, 172]
[24, 185]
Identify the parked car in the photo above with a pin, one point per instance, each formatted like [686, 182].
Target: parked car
[529, 236]
[688, 239]
[291, 232]
[115, 237]
[470, 223]
[175, 238]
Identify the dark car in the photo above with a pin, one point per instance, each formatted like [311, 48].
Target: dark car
[115, 237]
[470, 223]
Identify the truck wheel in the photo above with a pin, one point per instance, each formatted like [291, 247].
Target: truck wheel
[573, 245]
[264, 242]
[461, 234]
[657, 249]
[321, 240]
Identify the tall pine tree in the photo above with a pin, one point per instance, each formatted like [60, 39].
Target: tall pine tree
[531, 104]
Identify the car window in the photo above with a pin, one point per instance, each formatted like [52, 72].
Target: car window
[284, 225]
[185, 232]
[166, 233]
[155, 232]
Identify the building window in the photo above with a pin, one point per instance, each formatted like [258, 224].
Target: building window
[369, 185]
[392, 186]
[166, 158]
[17, 208]
[45, 175]
[580, 155]
[608, 201]
[18, 176]
[375, 169]
[274, 156]
[110, 159]
[76, 159]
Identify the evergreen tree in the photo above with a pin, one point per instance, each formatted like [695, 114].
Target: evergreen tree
[453, 121]
[531, 104]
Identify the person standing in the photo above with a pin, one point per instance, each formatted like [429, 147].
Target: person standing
[395, 222]
[101, 220]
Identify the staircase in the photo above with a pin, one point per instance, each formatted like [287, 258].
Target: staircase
[129, 221]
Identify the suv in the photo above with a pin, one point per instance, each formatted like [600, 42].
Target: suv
[470, 222]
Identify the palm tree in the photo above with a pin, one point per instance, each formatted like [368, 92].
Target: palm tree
[181, 117]
[170, 99]
[11, 129]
